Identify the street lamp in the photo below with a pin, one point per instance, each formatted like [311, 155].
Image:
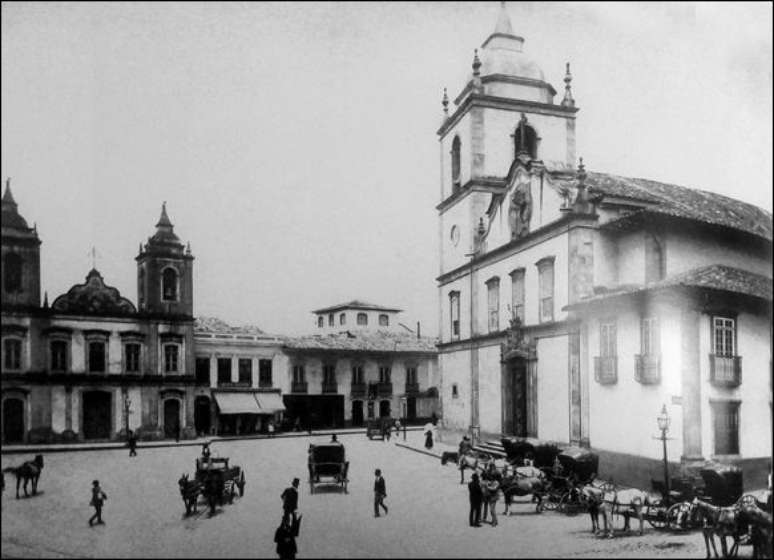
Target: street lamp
[663, 420]
[127, 404]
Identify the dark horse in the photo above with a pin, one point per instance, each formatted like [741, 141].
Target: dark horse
[28, 471]
[189, 490]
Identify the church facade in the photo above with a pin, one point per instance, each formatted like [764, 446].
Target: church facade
[573, 303]
[92, 365]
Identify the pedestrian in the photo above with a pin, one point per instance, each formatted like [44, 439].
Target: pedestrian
[491, 489]
[387, 431]
[285, 537]
[334, 439]
[271, 429]
[465, 446]
[98, 497]
[476, 498]
[380, 493]
[132, 444]
[290, 500]
[428, 437]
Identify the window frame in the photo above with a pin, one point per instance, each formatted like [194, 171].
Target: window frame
[223, 372]
[18, 364]
[384, 320]
[385, 374]
[518, 279]
[454, 311]
[650, 336]
[493, 304]
[546, 302]
[320, 321]
[299, 373]
[608, 342]
[138, 345]
[265, 372]
[342, 319]
[455, 391]
[726, 341]
[732, 438]
[164, 280]
[329, 374]
[456, 163]
[198, 373]
[411, 375]
[357, 374]
[177, 360]
[243, 372]
[362, 319]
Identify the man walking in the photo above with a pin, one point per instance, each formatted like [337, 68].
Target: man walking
[132, 444]
[476, 499]
[285, 537]
[98, 497]
[290, 501]
[380, 493]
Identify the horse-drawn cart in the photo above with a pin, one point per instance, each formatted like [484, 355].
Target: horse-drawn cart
[576, 467]
[214, 480]
[722, 487]
[327, 465]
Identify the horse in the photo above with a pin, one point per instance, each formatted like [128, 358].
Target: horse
[593, 497]
[471, 461]
[28, 471]
[626, 502]
[721, 522]
[189, 491]
[760, 524]
[522, 482]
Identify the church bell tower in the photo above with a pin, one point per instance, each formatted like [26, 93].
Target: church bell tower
[165, 272]
[20, 260]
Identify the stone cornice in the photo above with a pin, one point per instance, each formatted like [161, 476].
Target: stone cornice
[507, 79]
[487, 184]
[85, 379]
[505, 103]
[540, 330]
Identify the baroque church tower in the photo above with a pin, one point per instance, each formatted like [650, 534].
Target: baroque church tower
[165, 272]
[20, 256]
[506, 129]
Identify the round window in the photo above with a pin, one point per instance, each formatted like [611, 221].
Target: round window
[455, 235]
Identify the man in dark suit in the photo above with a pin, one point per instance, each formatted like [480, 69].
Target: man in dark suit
[290, 501]
[285, 537]
[476, 499]
[380, 493]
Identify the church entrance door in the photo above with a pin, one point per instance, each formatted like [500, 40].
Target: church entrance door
[96, 415]
[13, 421]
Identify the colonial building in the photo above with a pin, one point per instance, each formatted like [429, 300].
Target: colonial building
[365, 365]
[239, 377]
[575, 305]
[92, 364]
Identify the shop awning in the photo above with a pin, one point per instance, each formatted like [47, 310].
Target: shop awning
[270, 402]
[237, 403]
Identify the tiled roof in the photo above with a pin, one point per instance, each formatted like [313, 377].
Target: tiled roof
[379, 341]
[356, 304]
[718, 277]
[215, 325]
[683, 202]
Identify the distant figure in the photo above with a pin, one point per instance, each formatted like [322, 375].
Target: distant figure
[177, 432]
[271, 429]
[387, 431]
[290, 501]
[380, 493]
[285, 537]
[297, 425]
[476, 500]
[205, 452]
[98, 497]
[465, 446]
[132, 444]
[428, 437]
[334, 439]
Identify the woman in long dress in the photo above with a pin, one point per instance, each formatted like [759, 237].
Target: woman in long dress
[428, 436]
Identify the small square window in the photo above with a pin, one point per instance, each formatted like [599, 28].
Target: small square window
[455, 391]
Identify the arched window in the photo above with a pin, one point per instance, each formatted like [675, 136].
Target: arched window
[455, 164]
[525, 140]
[362, 319]
[169, 284]
[12, 267]
[384, 320]
[320, 321]
[342, 319]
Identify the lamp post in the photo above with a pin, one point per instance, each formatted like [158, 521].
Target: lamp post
[127, 404]
[663, 420]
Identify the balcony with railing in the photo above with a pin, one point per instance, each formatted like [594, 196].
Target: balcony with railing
[606, 369]
[358, 390]
[725, 371]
[412, 388]
[647, 368]
[384, 389]
[299, 387]
[330, 387]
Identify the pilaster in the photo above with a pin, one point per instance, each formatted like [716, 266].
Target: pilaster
[690, 375]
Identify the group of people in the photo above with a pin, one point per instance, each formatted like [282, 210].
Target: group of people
[484, 491]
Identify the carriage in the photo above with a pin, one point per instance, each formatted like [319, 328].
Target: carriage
[722, 486]
[542, 452]
[575, 467]
[327, 465]
[219, 482]
[377, 428]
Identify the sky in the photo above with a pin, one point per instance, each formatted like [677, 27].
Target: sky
[295, 144]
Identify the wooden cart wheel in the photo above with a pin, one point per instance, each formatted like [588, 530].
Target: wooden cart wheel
[550, 503]
[659, 520]
[678, 517]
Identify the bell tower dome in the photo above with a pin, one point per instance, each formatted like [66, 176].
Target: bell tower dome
[165, 272]
[20, 259]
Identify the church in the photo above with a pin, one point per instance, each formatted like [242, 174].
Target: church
[92, 365]
[578, 306]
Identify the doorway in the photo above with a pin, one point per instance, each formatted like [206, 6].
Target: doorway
[172, 418]
[384, 409]
[515, 397]
[357, 413]
[202, 415]
[411, 408]
[13, 421]
[96, 415]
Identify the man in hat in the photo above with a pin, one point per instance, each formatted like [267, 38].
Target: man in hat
[290, 500]
[465, 446]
